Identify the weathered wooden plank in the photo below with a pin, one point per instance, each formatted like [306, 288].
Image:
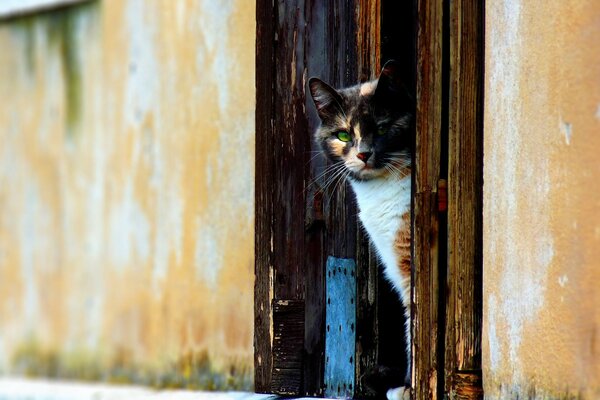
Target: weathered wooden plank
[425, 224]
[467, 385]
[288, 346]
[314, 339]
[263, 267]
[368, 38]
[289, 152]
[465, 183]
[340, 333]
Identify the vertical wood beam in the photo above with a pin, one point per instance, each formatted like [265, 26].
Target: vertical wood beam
[465, 198]
[368, 38]
[263, 205]
[425, 226]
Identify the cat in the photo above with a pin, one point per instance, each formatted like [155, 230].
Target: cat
[366, 131]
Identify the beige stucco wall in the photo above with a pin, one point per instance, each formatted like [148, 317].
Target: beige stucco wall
[542, 199]
[126, 192]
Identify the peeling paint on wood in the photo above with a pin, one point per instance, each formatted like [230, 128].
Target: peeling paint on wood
[340, 328]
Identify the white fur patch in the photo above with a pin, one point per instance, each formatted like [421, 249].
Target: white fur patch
[400, 393]
[382, 203]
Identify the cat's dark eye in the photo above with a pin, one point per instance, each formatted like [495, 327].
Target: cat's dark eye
[343, 136]
[381, 132]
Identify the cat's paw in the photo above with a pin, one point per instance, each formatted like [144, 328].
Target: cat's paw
[399, 393]
[378, 379]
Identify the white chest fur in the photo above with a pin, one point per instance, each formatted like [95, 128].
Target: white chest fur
[382, 203]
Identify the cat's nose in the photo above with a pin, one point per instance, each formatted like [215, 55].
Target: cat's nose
[364, 156]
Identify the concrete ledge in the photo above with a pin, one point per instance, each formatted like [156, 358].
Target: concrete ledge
[13, 388]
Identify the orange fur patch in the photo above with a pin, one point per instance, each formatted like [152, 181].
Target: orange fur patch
[402, 246]
[337, 147]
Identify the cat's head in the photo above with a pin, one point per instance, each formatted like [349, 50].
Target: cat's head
[366, 127]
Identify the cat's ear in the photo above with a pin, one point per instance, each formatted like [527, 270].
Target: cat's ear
[327, 100]
[390, 87]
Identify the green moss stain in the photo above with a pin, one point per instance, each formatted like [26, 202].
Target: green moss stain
[67, 38]
[24, 29]
[193, 370]
[66, 30]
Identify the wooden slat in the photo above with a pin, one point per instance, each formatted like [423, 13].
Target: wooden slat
[425, 208]
[465, 183]
[368, 38]
[263, 206]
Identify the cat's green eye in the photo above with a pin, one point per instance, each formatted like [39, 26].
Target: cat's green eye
[381, 132]
[343, 136]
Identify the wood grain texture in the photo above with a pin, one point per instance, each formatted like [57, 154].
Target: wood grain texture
[465, 198]
[288, 346]
[425, 207]
[368, 39]
[466, 385]
[263, 213]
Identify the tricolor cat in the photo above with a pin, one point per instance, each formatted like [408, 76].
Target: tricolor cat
[366, 131]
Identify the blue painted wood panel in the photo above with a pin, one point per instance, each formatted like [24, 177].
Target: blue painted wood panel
[340, 325]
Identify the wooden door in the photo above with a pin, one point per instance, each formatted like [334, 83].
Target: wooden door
[304, 234]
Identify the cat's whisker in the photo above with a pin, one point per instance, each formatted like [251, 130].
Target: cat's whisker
[398, 159]
[332, 178]
[336, 175]
[341, 179]
[401, 174]
[327, 170]
[392, 171]
[315, 155]
[337, 181]
[327, 174]
[399, 164]
[392, 168]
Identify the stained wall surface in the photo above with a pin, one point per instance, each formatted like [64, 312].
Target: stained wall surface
[542, 199]
[126, 192]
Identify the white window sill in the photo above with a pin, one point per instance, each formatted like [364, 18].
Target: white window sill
[13, 8]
